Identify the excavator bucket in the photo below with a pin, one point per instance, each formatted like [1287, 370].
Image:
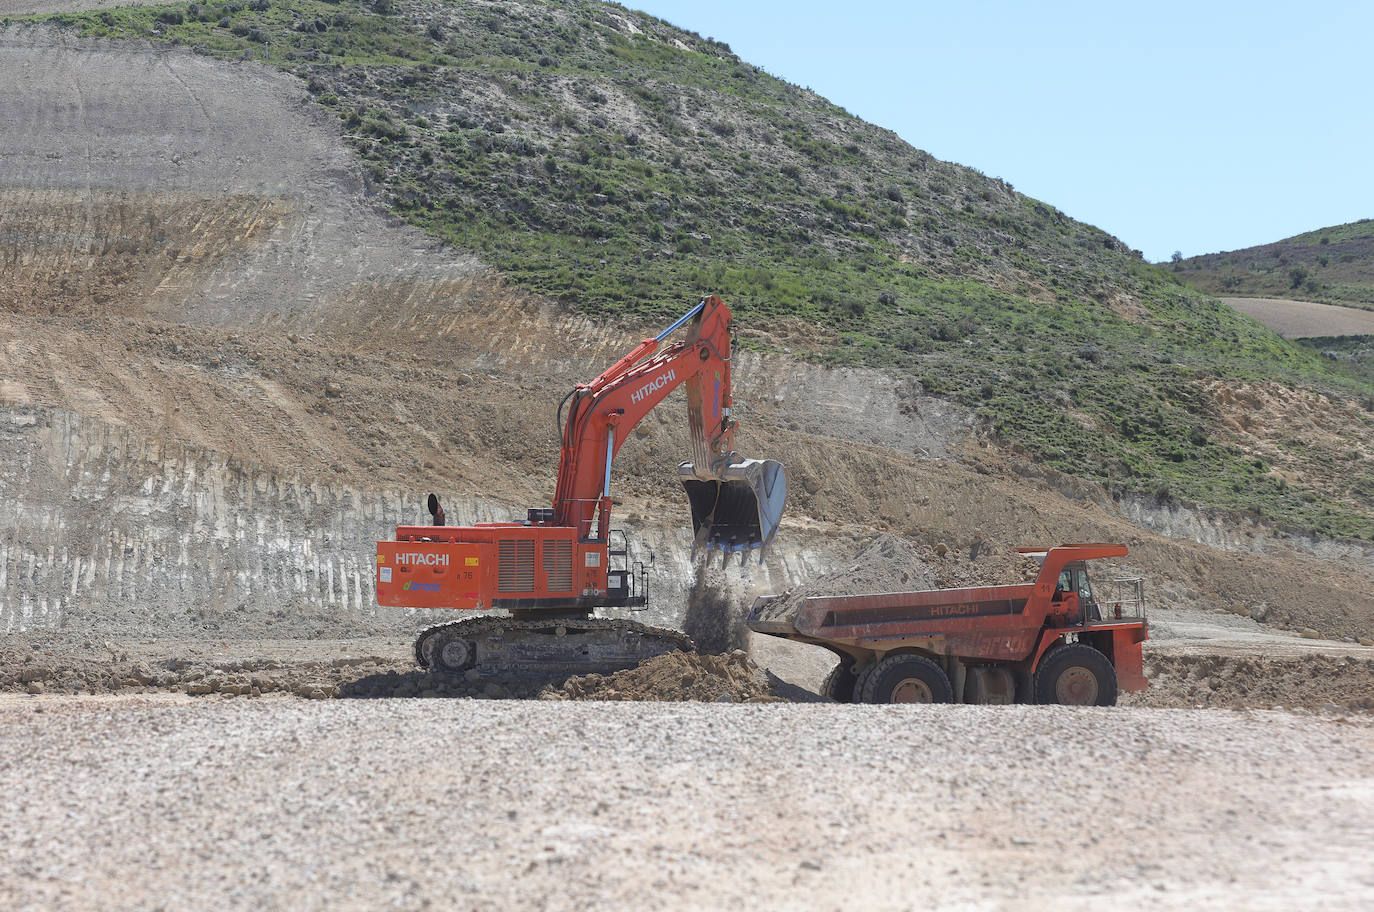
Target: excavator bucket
[740, 510]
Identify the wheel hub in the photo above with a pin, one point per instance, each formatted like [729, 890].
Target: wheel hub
[454, 653]
[912, 690]
[1077, 686]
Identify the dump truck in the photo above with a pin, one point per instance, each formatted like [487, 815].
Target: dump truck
[538, 582]
[1048, 641]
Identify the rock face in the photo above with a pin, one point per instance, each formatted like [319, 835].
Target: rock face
[116, 535]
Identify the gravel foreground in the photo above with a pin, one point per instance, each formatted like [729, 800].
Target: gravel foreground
[168, 802]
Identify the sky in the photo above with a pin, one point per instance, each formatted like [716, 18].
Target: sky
[1193, 127]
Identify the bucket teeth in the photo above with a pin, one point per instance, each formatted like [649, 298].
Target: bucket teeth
[740, 509]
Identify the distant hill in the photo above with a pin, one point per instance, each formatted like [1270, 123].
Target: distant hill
[1332, 265]
[622, 166]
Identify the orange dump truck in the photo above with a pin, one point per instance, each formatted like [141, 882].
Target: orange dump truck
[1049, 641]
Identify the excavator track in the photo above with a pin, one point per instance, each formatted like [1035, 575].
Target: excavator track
[546, 649]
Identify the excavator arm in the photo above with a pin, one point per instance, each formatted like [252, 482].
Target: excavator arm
[736, 503]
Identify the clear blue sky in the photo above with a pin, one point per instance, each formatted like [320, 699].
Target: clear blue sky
[1199, 127]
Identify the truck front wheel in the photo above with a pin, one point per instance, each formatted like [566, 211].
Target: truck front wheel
[907, 679]
[1076, 675]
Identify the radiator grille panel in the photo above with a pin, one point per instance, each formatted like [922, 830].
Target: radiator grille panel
[558, 570]
[515, 561]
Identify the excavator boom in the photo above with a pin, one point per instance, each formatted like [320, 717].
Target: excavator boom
[736, 503]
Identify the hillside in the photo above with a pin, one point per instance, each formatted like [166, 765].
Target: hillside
[622, 166]
[1332, 265]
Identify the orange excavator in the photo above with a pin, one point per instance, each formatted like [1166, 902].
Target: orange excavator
[553, 570]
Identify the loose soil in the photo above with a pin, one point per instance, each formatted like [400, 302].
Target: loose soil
[1185, 671]
[887, 564]
[1313, 682]
[677, 676]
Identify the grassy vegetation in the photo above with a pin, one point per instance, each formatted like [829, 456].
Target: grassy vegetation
[626, 171]
[1333, 265]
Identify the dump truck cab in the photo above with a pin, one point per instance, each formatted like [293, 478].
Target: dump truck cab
[1073, 593]
[1045, 641]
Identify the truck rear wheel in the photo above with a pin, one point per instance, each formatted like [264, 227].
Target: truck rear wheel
[907, 679]
[1076, 675]
[839, 684]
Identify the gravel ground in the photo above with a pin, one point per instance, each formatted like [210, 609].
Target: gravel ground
[162, 801]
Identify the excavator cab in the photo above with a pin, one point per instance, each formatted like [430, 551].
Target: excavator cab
[739, 510]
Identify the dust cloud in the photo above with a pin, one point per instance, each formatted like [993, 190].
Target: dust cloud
[715, 618]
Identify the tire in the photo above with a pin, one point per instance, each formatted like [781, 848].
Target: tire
[907, 679]
[860, 679]
[1076, 675]
[839, 684]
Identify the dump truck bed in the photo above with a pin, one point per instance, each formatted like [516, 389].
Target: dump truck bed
[812, 616]
[985, 621]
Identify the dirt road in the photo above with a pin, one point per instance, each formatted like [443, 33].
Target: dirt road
[1299, 319]
[166, 803]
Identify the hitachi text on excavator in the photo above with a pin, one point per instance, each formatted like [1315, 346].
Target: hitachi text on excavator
[551, 571]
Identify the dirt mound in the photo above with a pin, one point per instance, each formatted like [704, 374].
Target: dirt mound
[1246, 682]
[677, 676]
[368, 668]
[92, 667]
[886, 564]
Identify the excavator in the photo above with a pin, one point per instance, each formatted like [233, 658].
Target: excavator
[551, 571]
